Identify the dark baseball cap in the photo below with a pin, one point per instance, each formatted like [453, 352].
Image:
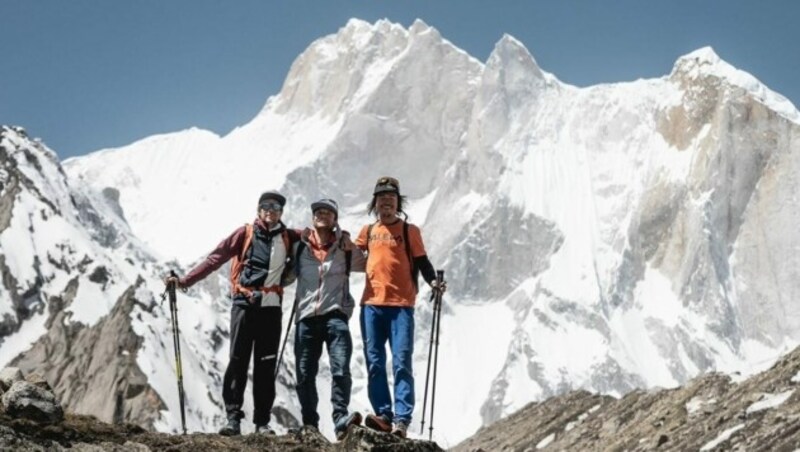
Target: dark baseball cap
[327, 204]
[272, 195]
[387, 184]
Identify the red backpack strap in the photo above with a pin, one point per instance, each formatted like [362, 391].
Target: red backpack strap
[248, 239]
[238, 261]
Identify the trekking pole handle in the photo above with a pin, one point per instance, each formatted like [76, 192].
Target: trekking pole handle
[172, 288]
[171, 284]
[439, 284]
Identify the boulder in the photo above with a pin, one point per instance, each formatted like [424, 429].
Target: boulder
[363, 439]
[27, 400]
[38, 380]
[9, 376]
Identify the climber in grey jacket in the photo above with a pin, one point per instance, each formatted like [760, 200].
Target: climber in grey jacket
[323, 261]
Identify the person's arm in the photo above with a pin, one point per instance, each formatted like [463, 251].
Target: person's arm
[358, 259]
[361, 240]
[421, 260]
[226, 249]
[289, 275]
[425, 268]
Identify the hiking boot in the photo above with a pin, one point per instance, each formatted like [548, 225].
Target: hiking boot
[380, 423]
[353, 418]
[232, 428]
[264, 430]
[400, 429]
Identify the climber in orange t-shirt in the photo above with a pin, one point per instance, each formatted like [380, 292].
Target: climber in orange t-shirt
[395, 257]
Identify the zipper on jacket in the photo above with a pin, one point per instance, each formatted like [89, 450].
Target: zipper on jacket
[319, 291]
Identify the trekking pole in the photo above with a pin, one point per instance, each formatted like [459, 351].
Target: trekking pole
[176, 342]
[428, 371]
[437, 305]
[437, 297]
[285, 338]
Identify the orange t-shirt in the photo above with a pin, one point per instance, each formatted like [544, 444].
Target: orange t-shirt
[388, 268]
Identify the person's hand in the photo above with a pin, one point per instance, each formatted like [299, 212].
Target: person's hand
[441, 288]
[172, 278]
[306, 234]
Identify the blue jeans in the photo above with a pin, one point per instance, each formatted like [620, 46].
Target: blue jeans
[309, 336]
[395, 324]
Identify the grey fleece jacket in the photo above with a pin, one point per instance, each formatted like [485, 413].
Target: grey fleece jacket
[324, 287]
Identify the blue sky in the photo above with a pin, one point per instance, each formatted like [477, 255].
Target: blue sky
[89, 74]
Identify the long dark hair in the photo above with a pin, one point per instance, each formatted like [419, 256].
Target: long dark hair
[372, 210]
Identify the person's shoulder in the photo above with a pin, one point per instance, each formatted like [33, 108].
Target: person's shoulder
[294, 234]
[364, 229]
[412, 227]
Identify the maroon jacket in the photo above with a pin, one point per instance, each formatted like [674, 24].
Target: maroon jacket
[229, 247]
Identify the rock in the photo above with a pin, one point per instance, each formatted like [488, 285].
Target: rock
[711, 412]
[38, 380]
[9, 376]
[88, 434]
[27, 400]
[10, 440]
[129, 446]
[364, 439]
[310, 436]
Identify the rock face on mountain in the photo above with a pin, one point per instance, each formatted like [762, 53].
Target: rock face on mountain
[83, 341]
[607, 238]
[93, 369]
[77, 302]
[711, 412]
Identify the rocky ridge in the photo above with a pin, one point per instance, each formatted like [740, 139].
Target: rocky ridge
[711, 412]
[31, 419]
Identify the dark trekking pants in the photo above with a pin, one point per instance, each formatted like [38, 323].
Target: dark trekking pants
[310, 335]
[257, 331]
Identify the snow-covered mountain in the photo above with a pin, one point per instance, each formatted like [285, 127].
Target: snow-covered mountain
[79, 299]
[607, 238]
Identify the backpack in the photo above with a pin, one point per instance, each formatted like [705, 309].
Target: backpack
[414, 269]
[288, 236]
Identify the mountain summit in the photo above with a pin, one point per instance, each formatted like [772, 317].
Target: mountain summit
[606, 238]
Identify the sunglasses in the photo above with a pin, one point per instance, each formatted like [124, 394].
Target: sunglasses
[273, 206]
